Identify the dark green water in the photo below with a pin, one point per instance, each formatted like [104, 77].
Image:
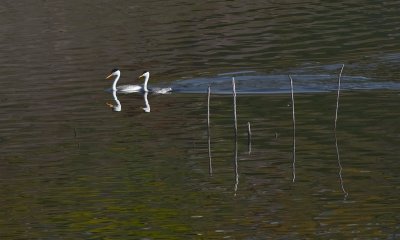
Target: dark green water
[70, 168]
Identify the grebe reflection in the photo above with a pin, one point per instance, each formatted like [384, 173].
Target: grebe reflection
[146, 102]
[118, 106]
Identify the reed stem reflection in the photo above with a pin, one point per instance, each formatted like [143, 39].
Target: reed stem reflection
[236, 165]
[248, 138]
[76, 137]
[208, 130]
[340, 168]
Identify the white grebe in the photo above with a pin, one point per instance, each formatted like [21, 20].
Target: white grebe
[124, 88]
[146, 75]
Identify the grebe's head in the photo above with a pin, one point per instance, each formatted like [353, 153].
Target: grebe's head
[145, 74]
[114, 72]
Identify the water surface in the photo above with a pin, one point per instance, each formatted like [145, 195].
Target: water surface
[72, 168]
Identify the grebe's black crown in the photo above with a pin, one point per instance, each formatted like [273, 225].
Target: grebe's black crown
[145, 72]
[114, 70]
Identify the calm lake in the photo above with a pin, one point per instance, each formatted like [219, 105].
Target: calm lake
[71, 168]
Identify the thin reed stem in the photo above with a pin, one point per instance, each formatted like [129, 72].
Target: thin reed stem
[234, 105]
[338, 95]
[235, 126]
[294, 130]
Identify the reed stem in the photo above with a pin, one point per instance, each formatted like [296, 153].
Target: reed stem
[234, 105]
[338, 95]
[235, 126]
[294, 130]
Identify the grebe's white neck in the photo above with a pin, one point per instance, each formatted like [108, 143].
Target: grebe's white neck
[147, 76]
[114, 86]
[117, 73]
